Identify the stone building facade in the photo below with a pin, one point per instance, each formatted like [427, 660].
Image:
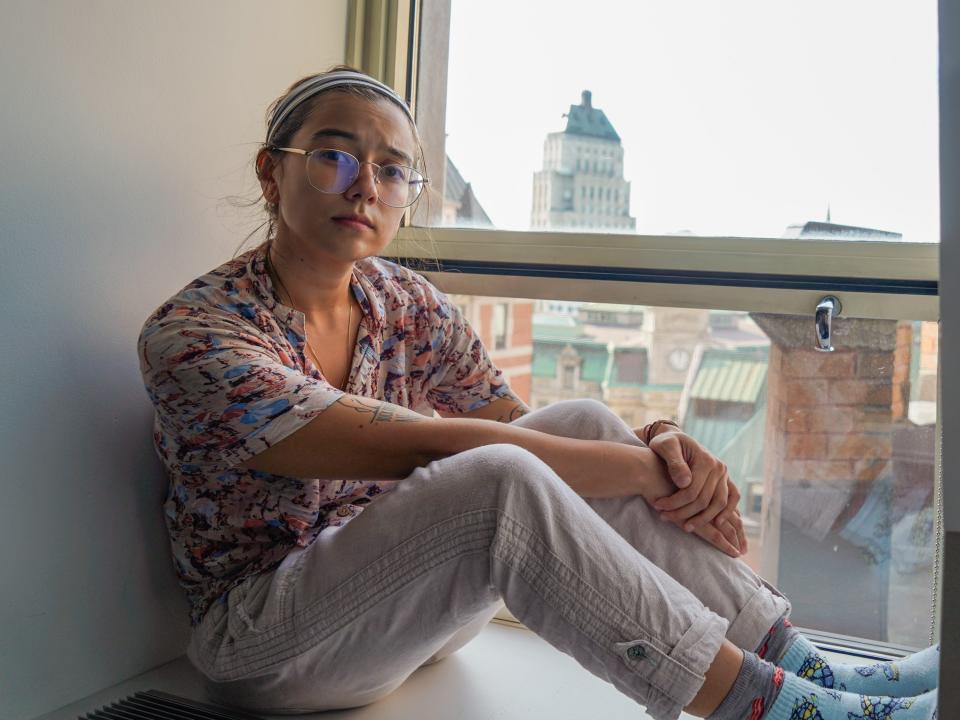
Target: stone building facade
[581, 185]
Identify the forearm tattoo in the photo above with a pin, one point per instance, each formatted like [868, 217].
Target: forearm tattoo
[379, 411]
[518, 410]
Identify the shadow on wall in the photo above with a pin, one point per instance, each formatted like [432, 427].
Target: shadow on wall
[153, 542]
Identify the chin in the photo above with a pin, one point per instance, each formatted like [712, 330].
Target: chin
[357, 248]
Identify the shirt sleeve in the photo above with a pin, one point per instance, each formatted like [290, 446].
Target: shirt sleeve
[463, 376]
[223, 392]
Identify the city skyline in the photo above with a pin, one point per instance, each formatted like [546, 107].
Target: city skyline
[763, 136]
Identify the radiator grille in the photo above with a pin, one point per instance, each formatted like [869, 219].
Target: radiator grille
[156, 705]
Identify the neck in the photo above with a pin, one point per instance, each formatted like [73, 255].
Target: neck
[316, 286]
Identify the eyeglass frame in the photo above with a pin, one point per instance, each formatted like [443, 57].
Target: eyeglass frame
[376, 177]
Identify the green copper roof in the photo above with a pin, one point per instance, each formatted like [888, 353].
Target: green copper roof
[740, 376]
[584, 119]
[730, 376]
[713, 433]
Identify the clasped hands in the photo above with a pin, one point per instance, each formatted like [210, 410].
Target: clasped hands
[706, 501]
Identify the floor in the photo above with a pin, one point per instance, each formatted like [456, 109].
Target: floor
[506, 673]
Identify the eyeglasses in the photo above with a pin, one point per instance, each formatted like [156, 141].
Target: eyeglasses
[333, 171]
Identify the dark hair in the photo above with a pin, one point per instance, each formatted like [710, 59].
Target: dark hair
[293, 122]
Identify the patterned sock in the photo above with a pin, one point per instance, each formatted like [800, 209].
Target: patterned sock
[763, 691]
[800, 699]
[778, 639]
[906, 677]
[755, 689]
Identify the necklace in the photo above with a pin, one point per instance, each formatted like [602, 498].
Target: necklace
[316, 359]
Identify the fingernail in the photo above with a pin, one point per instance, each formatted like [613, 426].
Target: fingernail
[688, 527]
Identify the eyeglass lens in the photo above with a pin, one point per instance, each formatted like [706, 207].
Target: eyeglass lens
[333, 171]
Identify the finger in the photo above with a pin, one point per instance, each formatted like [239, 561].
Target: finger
[717, 505]
[685, 496]
[681, 515]
[713, 536]
[680, 498]
[733, 502]
[669, 449]
[679, 471]
[730, 533]
[736, 524]
[733, 492]
[741, 534]
[726, 514]
[702, 502]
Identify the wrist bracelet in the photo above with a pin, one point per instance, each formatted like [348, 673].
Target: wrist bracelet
[652, 428]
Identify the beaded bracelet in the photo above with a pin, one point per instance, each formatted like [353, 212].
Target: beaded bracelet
[649, 431]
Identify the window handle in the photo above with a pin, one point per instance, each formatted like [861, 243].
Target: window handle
[827, 309]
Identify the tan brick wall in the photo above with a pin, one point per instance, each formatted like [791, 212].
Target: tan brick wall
[901, 371]
[510, 361]
[486, 325]
[522, 314]
[830, 418]
[521, 385]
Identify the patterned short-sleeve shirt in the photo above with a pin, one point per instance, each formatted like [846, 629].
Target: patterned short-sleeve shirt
[223, 363]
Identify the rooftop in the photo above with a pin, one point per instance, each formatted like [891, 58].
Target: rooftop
[823, 230]
[584, 119]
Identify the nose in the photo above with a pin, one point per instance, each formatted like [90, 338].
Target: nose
[365, 186]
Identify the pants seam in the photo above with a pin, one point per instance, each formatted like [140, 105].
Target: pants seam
[335, 609]
[605, 632]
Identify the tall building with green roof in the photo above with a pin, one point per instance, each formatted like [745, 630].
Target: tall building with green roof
[581, 185]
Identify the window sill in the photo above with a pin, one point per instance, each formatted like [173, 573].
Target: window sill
[490, 677]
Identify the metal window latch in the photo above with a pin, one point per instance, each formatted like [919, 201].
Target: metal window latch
[827, 309]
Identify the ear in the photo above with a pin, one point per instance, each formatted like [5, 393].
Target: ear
[268, 172]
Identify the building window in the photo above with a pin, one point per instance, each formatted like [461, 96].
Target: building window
[569, 377]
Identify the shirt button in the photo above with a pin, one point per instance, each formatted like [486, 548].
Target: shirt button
[637, 652]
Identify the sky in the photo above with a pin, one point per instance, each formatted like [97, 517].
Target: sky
[737, 118]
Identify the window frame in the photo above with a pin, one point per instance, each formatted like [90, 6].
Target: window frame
[880, 280]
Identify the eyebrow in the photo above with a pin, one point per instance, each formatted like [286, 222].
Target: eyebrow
[346, 135]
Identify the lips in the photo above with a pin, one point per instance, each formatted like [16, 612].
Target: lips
[358, 219]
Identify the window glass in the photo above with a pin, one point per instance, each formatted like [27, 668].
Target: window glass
[499, 326]
[833, 453]
[755, 118]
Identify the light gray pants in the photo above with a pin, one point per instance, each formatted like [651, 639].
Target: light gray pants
[343, 622]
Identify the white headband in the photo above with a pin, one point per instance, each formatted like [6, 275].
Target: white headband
[337, 78]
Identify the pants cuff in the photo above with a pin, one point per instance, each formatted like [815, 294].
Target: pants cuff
[756, 618]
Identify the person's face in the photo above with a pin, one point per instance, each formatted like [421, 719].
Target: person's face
[352, 224]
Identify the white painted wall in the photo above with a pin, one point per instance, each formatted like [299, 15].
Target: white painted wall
[124, 124]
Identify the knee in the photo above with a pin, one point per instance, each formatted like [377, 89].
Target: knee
[591, 410]
[505, 470]
[584, 418]
[525, 484]
[561, 417]
[505, 460]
